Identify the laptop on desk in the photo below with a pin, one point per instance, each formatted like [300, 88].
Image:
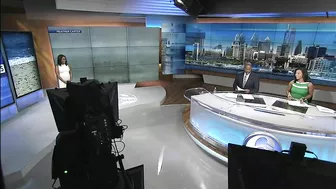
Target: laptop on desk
[255, 100]
[285, 105]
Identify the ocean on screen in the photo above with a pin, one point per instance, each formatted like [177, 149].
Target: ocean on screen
[19, 47]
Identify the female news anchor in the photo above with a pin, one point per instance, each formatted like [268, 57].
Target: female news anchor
[63, 71]
[300, 88]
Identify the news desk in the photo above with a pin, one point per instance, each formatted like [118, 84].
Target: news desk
[220, 119]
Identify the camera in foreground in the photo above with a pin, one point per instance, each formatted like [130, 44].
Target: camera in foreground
[86, 153]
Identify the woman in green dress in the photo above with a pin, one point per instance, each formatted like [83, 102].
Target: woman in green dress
[300, 88]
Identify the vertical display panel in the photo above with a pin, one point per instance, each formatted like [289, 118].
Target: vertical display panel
[173, 48]
[6, 93]
[19, 48]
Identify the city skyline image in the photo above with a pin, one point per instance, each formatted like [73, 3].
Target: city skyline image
[274, 48]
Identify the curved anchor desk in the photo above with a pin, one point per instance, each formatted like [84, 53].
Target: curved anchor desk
[216, 120]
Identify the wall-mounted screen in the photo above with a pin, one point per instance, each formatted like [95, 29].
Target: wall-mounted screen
[275, 50]
[21, 58]
[6, 93]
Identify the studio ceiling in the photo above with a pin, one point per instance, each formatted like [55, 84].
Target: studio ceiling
[166, 7]
[154, 7]
[222, 8]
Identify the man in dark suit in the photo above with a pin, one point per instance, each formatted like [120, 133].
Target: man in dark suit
[247, 80]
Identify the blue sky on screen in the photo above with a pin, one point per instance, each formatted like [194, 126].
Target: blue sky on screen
[323, 34]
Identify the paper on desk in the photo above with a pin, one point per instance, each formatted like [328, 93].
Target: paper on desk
[231, 95]
[326, 110]
[297, 103]
[240, 89]
[248, 96]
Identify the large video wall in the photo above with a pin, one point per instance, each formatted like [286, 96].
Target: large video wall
[19, 48]
[123, 54]
[275, 50]
[6, 93]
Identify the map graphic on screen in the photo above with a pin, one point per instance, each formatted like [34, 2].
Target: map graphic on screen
[21, 57]
[6, 93]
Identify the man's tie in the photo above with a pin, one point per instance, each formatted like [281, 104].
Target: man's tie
[245, 80]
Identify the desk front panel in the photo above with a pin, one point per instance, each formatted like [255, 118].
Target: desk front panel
[224, 126]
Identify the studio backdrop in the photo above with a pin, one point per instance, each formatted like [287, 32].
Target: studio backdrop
[275, 50]
[123, 54]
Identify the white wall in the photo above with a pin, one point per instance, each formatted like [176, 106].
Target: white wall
[274, 88]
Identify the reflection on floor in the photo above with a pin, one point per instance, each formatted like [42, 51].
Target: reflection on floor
[175, 90]
[29, 136]
[155, 138]
[156, 131]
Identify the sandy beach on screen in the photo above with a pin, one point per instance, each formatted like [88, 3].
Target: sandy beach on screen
[26, 78]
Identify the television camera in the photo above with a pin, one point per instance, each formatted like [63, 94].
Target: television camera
[250, 168]
[86, 153]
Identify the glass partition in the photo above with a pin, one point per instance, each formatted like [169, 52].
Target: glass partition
[75, 44]
[122, 54]
[143, 53]
[109, 51]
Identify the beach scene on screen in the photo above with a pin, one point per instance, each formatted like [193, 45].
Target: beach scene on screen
[19, 48]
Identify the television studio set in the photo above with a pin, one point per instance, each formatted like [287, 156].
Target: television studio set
[171, 94]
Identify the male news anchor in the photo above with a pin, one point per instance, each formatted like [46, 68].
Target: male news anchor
[247, 80]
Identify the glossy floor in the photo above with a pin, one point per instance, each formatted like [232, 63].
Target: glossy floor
[30, 135]
[157, 139]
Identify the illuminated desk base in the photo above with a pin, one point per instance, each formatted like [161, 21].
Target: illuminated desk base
[213, 131]
[206, 143]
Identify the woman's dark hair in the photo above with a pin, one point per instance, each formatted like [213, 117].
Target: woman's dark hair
[59, 60]
[305, 75]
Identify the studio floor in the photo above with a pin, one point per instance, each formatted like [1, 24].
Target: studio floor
[155, 134]
[156, 138]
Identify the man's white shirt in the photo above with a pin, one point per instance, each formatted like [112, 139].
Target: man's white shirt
[247, 77]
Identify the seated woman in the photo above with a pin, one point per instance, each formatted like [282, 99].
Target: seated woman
[300, 88]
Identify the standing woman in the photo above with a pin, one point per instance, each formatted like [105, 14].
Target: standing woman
[63, 71]
[300, 88]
